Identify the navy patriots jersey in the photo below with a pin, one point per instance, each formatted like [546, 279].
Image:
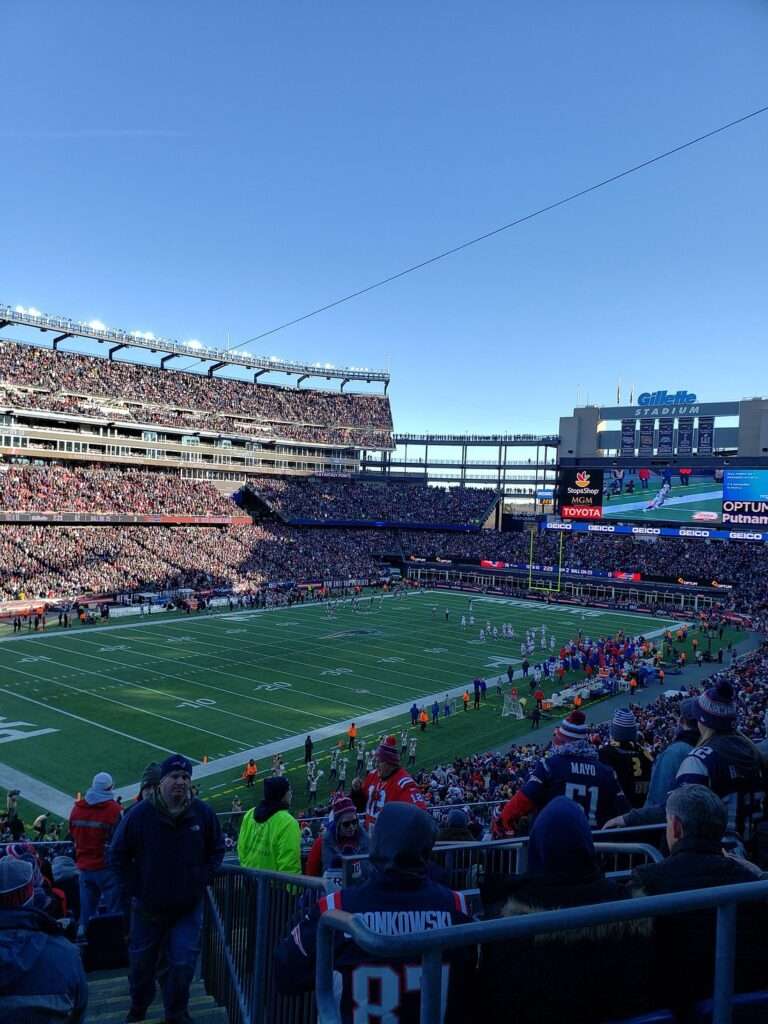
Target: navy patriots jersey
[580, 778]
[375, 991]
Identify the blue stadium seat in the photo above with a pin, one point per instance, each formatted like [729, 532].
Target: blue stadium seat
[748, 1008]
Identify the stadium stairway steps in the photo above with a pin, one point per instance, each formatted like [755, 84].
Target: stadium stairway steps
[108, 1002]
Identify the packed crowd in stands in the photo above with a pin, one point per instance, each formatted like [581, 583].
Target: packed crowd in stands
[48, 561]
[322, 498]
[125, 491]
[92, 386]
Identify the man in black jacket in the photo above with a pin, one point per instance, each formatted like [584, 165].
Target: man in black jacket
[696, 823]
[165, 853]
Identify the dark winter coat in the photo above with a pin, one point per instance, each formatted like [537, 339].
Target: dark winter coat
[564, 872]
[42, 980]
[165, 862]
[690, 938]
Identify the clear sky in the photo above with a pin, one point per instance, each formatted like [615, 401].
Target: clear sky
[210, 170]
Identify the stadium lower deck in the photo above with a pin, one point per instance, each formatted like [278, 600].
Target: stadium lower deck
[224, 687]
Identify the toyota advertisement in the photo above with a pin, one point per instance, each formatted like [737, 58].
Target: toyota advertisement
[580, 493]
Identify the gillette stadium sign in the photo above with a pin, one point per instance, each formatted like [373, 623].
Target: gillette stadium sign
[580, 493]
[661, 403]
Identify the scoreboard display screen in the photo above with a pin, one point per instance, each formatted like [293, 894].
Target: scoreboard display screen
[662, 494]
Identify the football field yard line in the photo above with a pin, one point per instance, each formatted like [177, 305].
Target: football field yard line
[297, 742]
[241, 695]
[292, 671]
[184, 680]
[89, 721]
[131, 707]
[407, 628]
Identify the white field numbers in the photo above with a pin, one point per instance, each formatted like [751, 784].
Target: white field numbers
[586, 797]
[378, 990]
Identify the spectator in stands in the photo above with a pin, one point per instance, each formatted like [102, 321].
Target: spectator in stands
[66, 878]
[342, 836]
[41, 973]
[696, 823]
[563, 871]
[398, 899]
[165, 853]
[270, 838]
[572, 769]
[455, 828]
[631, 762]
[668, 761]
[389, 783]
[725, 760]
[92, 822]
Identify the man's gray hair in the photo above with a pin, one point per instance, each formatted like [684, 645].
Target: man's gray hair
[700, 811]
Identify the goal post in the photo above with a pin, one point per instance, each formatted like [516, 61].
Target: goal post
[552, 587]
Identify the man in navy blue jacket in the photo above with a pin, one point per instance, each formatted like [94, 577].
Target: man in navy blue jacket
[165, 853]
[399, 899]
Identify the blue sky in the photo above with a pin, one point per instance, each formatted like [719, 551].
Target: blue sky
[211, 170]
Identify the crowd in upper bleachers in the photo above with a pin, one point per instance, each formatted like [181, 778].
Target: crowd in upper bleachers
[88, 385]
[378, 500]
[55, 488]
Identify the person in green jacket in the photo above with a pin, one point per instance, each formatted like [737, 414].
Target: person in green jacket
[269, 837]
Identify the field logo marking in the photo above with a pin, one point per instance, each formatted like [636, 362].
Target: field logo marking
[392, 660]
[336, 672]
[200, 702]
[272, 687]
[11, 731]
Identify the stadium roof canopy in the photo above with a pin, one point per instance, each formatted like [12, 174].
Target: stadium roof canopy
[94, 330]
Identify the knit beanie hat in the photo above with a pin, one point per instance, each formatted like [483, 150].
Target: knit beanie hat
[572, 728]
[717, 708]
[275, 788]
[151, 775]
[62, 868]
[342, 805]
[175, 763]
[457, 819]
[689, 709]
[16, 883]
[387, 751]
[623, 726]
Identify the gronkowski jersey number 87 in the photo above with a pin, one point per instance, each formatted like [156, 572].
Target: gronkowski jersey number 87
[378, 990]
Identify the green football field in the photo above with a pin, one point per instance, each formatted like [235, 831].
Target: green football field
[681, 506]
[224, 687]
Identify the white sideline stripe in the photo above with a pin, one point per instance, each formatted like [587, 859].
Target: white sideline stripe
[36, 792]
[266, 750]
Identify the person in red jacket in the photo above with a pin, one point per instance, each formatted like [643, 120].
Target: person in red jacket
[91, 824]
[389, 783]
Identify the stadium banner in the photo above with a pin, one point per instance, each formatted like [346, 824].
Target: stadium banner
[684, 435]
[124, 520]
[706, 435]
[628, 436]
[745, 497]
[693, 533]
[632, 576]
[664, 444]
[580, 493]
[645, 446]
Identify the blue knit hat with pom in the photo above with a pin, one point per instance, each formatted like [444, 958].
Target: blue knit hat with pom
[717, 708]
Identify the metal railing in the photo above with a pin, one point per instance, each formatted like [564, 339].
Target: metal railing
[468, 864]
[246, 914]
[428, 947]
